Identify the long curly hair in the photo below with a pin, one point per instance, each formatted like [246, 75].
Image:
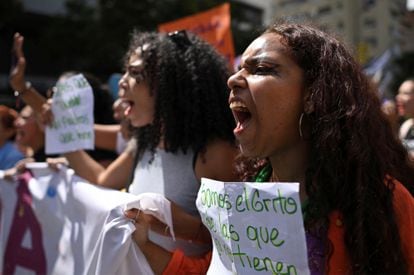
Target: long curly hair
[354, 155]
[188, 79]
[7, 119]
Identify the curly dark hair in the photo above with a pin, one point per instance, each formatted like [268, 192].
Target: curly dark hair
[354, 155]
[188, 79]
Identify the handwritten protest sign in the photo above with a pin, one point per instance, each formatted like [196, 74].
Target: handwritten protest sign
[257, 228]
[72, 128]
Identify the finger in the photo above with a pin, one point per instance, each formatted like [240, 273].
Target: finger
[137, 215]
[15, 38]
[57, 163]
[21, 64]
[9, 174]
[19, 39]
[21, 165]
[55, 166]
[47, 114]
[131, 213]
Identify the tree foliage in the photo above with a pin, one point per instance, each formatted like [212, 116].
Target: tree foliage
[95, 38]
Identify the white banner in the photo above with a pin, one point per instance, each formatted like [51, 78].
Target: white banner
[57, 223]
[257, 228]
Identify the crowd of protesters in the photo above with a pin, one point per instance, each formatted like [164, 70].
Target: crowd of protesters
[299, 109]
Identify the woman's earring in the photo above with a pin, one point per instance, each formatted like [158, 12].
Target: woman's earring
[300, 126]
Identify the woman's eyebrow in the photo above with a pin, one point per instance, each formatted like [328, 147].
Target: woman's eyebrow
[139, 67]
[253, 61]
[261, 58]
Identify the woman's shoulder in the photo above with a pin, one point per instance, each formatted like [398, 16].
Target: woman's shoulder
[403, 203]
[402, 197]
[217, 161]
[404, 211]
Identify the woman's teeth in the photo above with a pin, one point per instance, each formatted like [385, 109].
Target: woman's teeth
[237, 105]
[240, 111]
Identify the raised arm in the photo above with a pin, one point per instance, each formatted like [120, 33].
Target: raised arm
[17, 77]
[116, 175]
[106, 136]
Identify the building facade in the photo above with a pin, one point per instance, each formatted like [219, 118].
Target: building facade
[368, 26]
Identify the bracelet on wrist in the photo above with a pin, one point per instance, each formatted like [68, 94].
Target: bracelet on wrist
[27, 87]
[17, 94]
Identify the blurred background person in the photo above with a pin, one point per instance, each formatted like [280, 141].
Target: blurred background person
[405, 107]
[9, 153]
[389, 107]
[30, 129]
[30, 136]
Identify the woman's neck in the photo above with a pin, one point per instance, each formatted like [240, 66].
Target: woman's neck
[290, 166]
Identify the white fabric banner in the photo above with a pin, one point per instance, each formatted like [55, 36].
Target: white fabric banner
[257, 228]
[57, 223]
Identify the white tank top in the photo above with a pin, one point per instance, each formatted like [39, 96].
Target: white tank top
[172, 175]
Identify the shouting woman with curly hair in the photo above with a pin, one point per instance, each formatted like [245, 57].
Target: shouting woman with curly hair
[306, 113]
[174, 94]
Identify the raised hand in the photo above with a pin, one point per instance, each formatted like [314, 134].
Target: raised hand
[17, 70]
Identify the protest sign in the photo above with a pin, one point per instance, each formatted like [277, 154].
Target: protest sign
[72, 128]
[212, 25]
[257, 228]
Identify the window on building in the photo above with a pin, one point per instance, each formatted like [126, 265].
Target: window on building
[324, 10]
[285, 3]
[370, 22]
[368, 4]
[372, 41]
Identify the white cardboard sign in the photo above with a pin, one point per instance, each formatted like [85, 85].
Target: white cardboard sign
[72, 128]
[257, 228]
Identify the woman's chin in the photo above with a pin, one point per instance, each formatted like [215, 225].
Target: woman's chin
[247, 152]
[139, 123]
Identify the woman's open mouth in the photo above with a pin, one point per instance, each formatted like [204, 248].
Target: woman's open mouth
[241, 114]
[127, 106]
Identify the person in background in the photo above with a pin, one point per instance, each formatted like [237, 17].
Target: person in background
[9, 153]
[113, 86]
[30, 135]
[114, 137]
[389, 107]
[306, 113]
[174, 95]
[30, 125]
[405, 107]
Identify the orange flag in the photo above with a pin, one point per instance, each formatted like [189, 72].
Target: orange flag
[212, 25]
